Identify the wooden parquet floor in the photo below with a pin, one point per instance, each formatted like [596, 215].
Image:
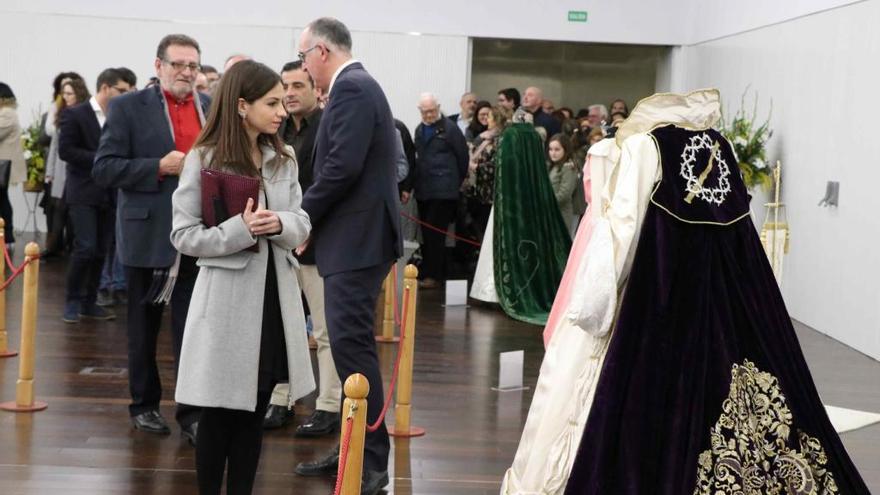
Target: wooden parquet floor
[83, 443]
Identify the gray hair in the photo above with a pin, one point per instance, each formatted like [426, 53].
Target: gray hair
[429, 96]
[331, 31]
[603, 111]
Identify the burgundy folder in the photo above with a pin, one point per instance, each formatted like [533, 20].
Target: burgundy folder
[225, 195]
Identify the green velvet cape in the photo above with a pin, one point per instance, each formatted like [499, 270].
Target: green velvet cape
[531, 241]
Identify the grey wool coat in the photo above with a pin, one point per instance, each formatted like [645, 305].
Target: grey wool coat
[220, 355]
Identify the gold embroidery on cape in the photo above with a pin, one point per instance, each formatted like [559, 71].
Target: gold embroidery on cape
[750, 452]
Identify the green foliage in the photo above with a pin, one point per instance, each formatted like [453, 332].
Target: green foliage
[33, 152]
[749, 141]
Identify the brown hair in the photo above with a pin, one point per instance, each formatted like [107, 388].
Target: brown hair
[224, 132]
[175, 39]
[596, 131]
[563, 141]
[501, 116]
[79, 89]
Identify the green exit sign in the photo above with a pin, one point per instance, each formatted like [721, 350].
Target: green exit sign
[577, 16]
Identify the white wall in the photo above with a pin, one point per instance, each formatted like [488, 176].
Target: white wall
[41, 45]
[821, 73]
[621, 21]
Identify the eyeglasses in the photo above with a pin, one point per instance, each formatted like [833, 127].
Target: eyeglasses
[302, 55]
[179, 66]
[120, 90]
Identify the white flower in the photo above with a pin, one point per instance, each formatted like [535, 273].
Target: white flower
[28, 154]
[740, 141]
[760, 164]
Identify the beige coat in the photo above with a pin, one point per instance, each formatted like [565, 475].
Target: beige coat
[221, 342]
[10, 144]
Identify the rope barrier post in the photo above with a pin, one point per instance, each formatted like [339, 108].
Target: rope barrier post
[403, 406]
[389, 289]
[5, 352]
[24, 388]
[351, 441]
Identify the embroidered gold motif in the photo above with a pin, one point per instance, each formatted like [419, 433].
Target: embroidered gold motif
[750, 451]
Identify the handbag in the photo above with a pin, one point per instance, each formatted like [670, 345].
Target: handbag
[225, 195]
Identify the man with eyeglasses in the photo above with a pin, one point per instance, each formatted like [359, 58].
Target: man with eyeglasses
[352, 203]
[88, 203]
[144, 142]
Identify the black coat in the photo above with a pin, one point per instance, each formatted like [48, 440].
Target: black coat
[441, 162]
[305, 161]
[79, 134]
[353, 202]
[136, 136]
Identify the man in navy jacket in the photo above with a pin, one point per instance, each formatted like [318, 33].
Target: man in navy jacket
[355, 220]
[88, 203]
[146, 138]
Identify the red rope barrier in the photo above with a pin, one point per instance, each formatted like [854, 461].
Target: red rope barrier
[16, 272]
[8, 258]
[349, 421]
[411, 218]
[343, 452]
[375, 426]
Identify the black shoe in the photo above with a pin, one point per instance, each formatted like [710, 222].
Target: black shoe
[105, 298]
[319, 424]
[151, 422]
[95, 312]
[276, 417]
[325, 466]
[190, 433]
[372, 482]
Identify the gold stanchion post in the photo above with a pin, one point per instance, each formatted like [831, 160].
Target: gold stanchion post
[24, 388]
[5, 352]
[403, 406]
[387, 303]
[356, 389]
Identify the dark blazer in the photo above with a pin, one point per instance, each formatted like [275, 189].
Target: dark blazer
[305, 154]
[78, 137]
[441, 161]
[409, 149]
[353, 201]
[136, 136]
[548, 122]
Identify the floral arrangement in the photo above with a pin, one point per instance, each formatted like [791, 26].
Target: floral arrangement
[34, 154]
[749, 140]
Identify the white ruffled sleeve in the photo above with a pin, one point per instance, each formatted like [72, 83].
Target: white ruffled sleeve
[615, 234]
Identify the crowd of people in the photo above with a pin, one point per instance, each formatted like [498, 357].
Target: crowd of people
[453, 172]
[122, 205]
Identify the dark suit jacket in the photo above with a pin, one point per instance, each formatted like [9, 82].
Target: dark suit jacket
[78, 137]
[409, 149]
[304, 160]
[353, 201]
[136, 136]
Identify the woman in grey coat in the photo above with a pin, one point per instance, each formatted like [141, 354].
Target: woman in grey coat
[245, 329]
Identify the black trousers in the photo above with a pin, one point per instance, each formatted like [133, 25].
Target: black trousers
[439, 213]
[144, 320]
[350, 313]
[234, 437]
[6, 213]
[57, 222]
[92, 226]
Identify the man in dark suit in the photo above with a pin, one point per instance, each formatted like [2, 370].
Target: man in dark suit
[89, 203]
[533, 101]
[147, 136]
[355, 220]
